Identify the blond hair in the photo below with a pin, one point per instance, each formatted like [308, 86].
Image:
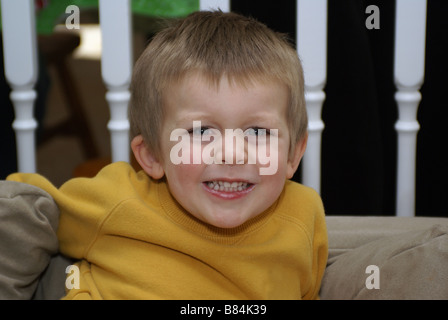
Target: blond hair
[216, 44]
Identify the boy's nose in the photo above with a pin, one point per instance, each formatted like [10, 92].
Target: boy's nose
[234, 147]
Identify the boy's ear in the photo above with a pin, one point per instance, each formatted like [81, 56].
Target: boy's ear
[296, 156]
[146, 159]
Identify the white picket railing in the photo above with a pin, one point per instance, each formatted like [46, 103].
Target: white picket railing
[116, 70]
[19, 41]
[312, 49]
[409, 69]
[20, 56]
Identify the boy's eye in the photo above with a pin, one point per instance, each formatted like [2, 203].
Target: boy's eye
[256, 132]
[199, 131]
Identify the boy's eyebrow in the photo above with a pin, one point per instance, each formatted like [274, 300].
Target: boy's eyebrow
[267, 120]
[188, 118]
[205, 119]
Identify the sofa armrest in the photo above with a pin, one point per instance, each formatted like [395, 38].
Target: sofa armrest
[346, 233]
[28, 222]
[386, 258]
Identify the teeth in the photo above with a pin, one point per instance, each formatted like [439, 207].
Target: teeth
[227, 186]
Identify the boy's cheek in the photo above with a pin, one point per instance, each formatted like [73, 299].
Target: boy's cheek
[273, 157]
[184, 175]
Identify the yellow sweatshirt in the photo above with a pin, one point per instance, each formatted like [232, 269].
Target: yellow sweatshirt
[134, 241]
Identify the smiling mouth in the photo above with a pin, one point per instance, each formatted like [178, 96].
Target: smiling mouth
[226, 186]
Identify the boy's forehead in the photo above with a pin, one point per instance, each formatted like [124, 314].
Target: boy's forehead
[196, 83]
[210, 81]
[192, 97]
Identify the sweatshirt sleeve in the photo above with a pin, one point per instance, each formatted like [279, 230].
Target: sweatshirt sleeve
[305, 206]
[83, 202]
[320, 250]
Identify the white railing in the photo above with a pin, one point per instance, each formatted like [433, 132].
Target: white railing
[116, 70]
[312, 49]
[20, 56]
[19, 41]
[409, 70]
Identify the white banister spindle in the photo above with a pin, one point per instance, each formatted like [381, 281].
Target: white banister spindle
[116, 70]
[224, 5]
[409, 69]
[20, 60]
[312, 49]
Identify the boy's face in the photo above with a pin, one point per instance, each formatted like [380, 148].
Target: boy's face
[226, 195]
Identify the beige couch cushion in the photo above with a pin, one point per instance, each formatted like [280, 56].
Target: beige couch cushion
[346, 233]
[28, 223]
[410, 265]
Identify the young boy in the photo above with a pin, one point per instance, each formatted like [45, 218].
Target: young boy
[212, 225]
